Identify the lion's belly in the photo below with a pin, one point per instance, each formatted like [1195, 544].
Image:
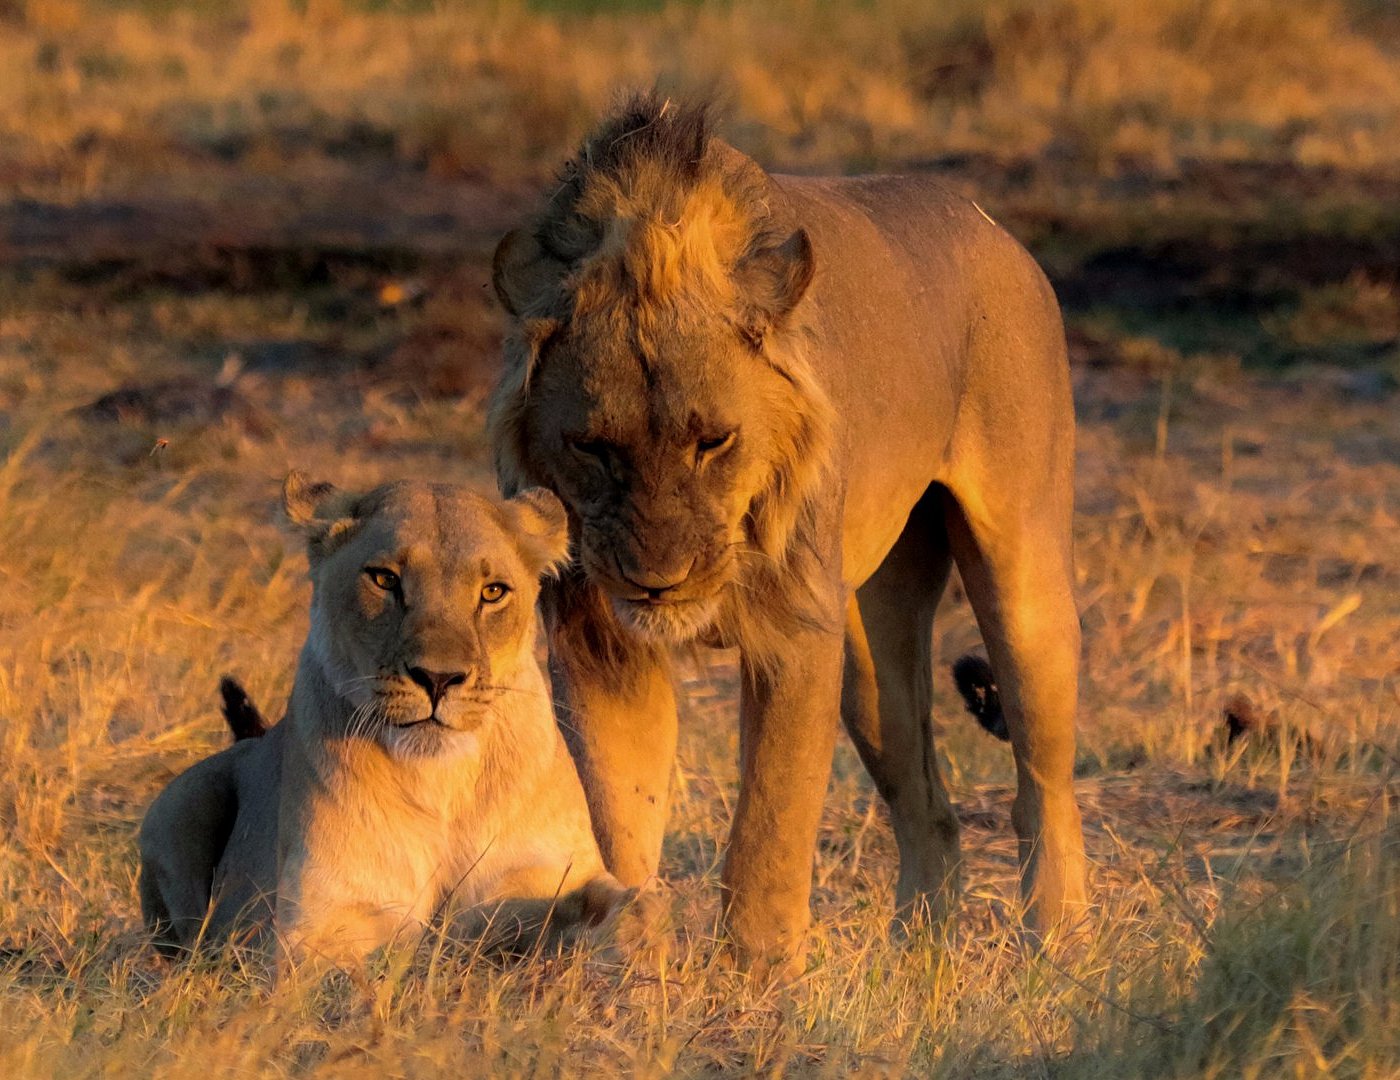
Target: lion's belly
[875, 517]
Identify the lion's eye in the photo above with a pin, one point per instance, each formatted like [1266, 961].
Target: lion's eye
[495, 592]
[598, 449]
[715, 444]
[382, 578]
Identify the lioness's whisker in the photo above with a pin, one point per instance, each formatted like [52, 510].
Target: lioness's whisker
[344, 684]
[558, 706]
[354, 726]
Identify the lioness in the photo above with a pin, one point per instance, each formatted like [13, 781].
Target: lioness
[777, 409]
[418, 766]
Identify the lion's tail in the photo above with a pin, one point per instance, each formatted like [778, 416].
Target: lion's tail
[244, 719]
[978, 687]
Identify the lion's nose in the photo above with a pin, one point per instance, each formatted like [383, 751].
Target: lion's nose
[656, 583]
[436, 683]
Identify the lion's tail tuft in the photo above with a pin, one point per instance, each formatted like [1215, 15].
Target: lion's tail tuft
[244, 719]
[978, 687]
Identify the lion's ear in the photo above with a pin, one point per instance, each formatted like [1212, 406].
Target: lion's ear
[318, 510]
[542, 528]
[773, 279]
[522, 272]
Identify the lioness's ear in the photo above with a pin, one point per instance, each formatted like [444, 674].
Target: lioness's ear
[773, 279]
[522, 272]
[542, 527]
[321, 511]
[302, 497]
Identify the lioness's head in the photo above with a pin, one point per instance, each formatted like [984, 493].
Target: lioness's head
[423, 600]
[655, 377]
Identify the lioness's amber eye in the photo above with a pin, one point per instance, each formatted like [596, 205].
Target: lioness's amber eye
[383, 579]
[494, 593]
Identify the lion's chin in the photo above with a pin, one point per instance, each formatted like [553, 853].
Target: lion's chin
[675, 623]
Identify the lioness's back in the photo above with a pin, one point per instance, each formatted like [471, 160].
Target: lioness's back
[186, 839]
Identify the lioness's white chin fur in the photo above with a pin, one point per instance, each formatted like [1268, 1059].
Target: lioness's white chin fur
[438, 741]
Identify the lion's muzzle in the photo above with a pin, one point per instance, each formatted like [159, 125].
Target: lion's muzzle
[656, 585]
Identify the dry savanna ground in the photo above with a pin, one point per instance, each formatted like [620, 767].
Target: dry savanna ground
[239, 237]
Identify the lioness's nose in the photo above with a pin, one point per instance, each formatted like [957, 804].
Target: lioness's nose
[436, 683]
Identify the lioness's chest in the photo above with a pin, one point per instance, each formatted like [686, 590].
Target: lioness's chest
[387, 848]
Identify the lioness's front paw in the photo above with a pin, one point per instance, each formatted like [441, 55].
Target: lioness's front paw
[592, 911]
[519, 927]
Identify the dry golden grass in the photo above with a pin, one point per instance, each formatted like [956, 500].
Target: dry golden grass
[105, 97]
[315, 194]
[1249, 900]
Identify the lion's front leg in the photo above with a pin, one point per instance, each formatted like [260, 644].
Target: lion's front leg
[616, 706]
[788, 717]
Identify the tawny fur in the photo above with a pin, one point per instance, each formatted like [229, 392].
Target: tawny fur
[375, 806]
[777, 410]
[652, 231]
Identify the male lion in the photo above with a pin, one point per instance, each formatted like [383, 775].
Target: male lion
[776, 409]
[418, 765]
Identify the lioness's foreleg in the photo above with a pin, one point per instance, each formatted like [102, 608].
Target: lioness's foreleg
[533, 916]
[787, 732]
[886, 702]
[618, 716]
[1017, 569]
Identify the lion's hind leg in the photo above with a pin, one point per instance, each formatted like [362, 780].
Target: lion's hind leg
[182, 840]
[886, 704]
[1018, 576]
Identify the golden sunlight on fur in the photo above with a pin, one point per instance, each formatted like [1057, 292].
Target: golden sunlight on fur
[418, 774]
[238, 236]
[778, 409]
